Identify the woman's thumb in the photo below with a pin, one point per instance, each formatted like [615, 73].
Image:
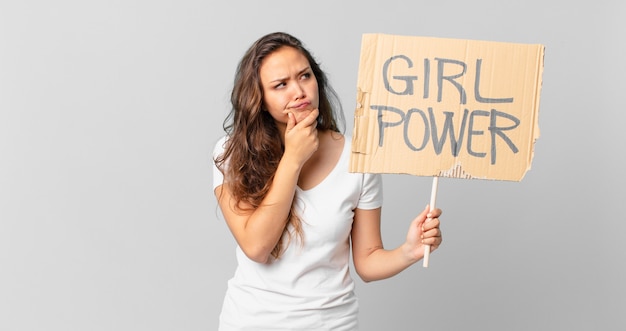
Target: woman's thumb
[291, 121]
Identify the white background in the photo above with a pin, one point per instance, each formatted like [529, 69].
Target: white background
[109, 111]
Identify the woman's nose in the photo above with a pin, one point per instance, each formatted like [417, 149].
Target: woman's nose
[298, 91]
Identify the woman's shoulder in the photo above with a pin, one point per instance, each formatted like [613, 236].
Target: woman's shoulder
[335, 144]
[221, 140]
[220, 145]
[337, 139]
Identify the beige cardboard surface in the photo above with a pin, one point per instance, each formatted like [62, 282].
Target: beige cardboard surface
[446, 107]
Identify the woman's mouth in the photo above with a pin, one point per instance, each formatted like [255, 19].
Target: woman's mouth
[301, 106]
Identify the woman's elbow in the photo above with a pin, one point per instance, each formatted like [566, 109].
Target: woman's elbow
[364, 275]
[366, 279]
[257, 254]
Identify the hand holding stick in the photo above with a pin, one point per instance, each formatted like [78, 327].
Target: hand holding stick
[433, 199]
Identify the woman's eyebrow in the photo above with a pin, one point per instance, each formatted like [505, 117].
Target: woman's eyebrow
[282, 78]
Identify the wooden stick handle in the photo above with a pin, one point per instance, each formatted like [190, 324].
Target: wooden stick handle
[433, 200]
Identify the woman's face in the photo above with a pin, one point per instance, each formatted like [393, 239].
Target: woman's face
[289, 85]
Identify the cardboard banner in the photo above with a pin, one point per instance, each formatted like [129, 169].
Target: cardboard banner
[446, 107]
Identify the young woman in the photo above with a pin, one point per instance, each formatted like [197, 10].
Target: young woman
[282, 183]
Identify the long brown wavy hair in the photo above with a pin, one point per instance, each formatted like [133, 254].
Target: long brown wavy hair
[254, 147]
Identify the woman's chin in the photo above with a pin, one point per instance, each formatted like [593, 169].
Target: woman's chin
[301, 114]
